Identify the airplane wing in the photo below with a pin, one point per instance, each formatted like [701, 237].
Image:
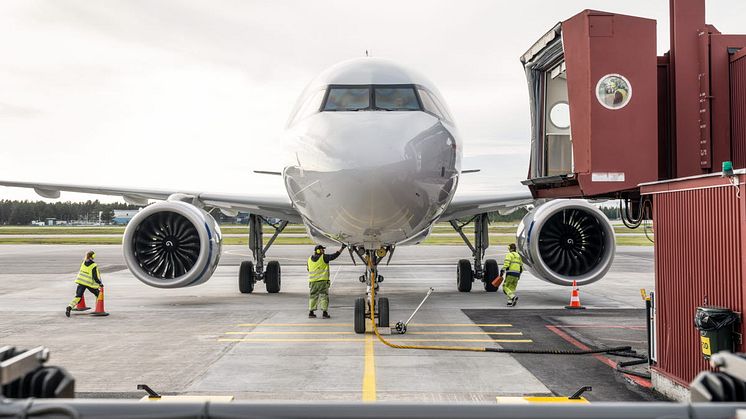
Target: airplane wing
[467, 205]
[267, 206]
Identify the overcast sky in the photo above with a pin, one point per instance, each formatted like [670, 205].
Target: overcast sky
[193, 94]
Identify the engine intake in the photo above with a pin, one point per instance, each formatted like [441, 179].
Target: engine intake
[565, 240]
[172, 244]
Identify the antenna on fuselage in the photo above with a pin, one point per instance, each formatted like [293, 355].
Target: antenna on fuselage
[366, 53]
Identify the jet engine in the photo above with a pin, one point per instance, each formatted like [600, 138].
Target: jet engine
[565, 240]
[172, 244]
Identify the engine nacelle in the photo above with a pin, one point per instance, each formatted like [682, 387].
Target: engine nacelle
[172, 244]
[565, 240]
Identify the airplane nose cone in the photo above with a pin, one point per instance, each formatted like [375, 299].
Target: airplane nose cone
[376, 177]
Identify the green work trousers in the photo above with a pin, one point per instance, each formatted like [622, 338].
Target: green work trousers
[319, 295]
[509, 286]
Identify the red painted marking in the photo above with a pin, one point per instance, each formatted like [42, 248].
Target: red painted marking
[600, 326]
[638, 380]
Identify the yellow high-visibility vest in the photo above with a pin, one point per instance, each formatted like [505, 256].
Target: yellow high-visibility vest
[85, 276]
[318, 271]
[513, 264]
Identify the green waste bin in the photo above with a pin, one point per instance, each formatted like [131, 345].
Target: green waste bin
[715, 325]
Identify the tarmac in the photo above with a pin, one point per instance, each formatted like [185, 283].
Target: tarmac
[212, 340]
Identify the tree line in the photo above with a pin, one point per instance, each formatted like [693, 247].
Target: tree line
[24, 212]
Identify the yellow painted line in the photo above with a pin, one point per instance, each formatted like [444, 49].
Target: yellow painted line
[369, 371]
[292, 340]
[324, 324]
[460, 325]
[468, 333]
[319, 324]
[529, 400]
[295, 332]
[290, 332]
[319, 340]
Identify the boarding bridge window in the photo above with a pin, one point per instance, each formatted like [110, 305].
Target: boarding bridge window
[396, 99]
[355, 98]
[556, 123]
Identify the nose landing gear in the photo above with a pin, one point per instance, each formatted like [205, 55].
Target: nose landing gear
[363, 304]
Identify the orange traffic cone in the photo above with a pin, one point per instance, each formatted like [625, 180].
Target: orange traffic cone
[575, 298]
[81, 305]
[100, 304]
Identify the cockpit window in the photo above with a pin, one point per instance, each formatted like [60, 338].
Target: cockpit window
[432, 105]
[347, 99]
[396, 99]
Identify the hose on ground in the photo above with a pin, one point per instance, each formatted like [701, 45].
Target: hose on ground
[470, 348]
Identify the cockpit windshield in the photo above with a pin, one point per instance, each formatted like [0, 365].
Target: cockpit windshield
[348, 99]
[396, 99]
[372, 98]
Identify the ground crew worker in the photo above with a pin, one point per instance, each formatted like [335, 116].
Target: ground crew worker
[88, 278]
[318, 280]
[512, 269]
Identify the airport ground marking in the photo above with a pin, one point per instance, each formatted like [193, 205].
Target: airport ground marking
[369, 371]
[314, 332]
[321, 340]
[599, 326]
[638, 380]
[321, 324]
[295, 324]
[460, 325]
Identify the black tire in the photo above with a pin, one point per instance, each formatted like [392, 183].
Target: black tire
[360, 315]
[272, 277]
[383, 312]
[491, 271]
[246, 277]
[464, 275]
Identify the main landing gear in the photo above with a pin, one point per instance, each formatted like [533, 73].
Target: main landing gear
[249, 274]
[371, 258]
[465, 275]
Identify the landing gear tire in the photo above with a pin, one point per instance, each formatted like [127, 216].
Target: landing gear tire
[490, 272]
[464, 275]
[272, 277]
[383, 312]
[246, 277]
[359, 315]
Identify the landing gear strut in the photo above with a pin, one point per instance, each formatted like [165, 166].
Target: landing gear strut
[465, 275]
[363, 304]
[249, 273]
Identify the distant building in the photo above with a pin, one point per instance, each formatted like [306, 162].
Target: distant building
[123, 216]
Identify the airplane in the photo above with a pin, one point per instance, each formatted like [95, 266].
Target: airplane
[373, 162]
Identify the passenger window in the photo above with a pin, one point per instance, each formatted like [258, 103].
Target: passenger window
[310, 106]
[347, 99]
[396, 99]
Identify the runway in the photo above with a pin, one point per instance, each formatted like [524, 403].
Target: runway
[211, 339]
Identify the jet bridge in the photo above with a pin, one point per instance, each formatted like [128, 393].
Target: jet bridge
[593, 97]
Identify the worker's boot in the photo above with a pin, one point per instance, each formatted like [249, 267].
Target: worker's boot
[311, 315]
[68, 309]
[515, 301]
[510, 303]
[326, 315]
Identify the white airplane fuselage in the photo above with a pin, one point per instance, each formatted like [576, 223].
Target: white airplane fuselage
[372, 171]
